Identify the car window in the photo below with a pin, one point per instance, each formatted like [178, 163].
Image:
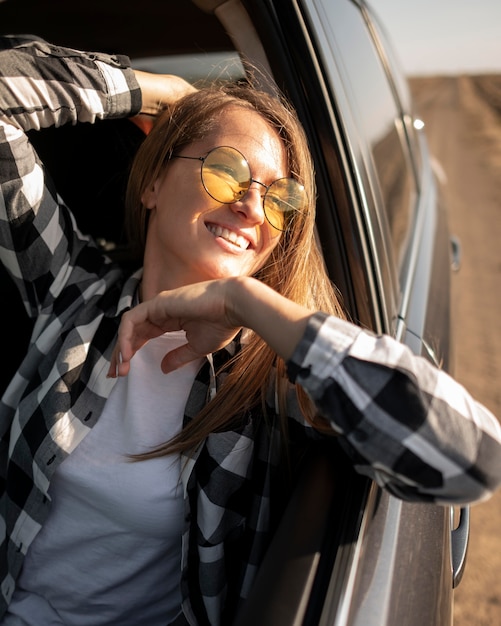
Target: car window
[401, 86]
[202, 67]
[378, 117]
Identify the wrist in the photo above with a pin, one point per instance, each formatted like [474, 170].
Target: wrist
[160, 90]
[237, 299]
[276, 319]
[150, 103]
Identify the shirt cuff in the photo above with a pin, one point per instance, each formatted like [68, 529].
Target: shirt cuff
[325, 342]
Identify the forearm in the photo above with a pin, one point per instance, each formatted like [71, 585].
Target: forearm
[159, 90]
[42, 85]
[411, 427]
[408, 424]
[280, 322]
[211, 313]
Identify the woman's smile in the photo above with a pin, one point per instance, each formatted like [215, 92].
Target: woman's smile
[237, 240]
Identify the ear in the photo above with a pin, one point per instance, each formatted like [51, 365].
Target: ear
[149, 196]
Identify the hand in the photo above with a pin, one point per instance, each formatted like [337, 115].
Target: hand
[160, 90]
[211, 313]
[199, 309]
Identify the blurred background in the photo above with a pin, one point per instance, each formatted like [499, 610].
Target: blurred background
[451, 52]
[444, 36]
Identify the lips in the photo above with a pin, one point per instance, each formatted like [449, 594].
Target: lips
[229, 235]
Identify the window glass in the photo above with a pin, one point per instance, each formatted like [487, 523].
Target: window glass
[377, 115]
[403, 90]
[195, 68]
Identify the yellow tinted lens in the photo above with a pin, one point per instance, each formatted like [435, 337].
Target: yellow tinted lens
[226, 174]
[284, 198]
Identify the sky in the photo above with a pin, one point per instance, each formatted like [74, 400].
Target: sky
[444, 36]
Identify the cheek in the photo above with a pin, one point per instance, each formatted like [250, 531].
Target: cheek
[173, 186]
[269, 238]
[176, 201]
[269, 246]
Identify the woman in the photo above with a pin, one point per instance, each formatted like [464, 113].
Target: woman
[136, 495]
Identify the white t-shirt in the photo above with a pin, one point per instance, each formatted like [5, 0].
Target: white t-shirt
[110, 551]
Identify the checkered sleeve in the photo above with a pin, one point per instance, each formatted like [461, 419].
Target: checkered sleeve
[406, 424]
[42, 85]
[46, 85]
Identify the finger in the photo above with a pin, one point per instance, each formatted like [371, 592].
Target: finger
[125, 348]
[123, 366]
[118, 365]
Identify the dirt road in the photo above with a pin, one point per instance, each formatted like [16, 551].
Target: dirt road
[463, 121]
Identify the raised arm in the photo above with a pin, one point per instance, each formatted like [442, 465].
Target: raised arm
[159, 90]
[407, 424]
[44, 85]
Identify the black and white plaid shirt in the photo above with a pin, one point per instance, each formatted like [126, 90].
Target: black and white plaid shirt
[406, 424]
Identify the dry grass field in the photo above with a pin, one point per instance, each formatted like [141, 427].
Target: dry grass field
[463, 121]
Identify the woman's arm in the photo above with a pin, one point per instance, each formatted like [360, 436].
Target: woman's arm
[211, 313]
[407, 424]
[43, 85]
[159, 90]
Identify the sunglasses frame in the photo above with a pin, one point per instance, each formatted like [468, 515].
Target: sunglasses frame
[202, 160]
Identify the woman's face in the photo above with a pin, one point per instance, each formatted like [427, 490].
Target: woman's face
[192, 237]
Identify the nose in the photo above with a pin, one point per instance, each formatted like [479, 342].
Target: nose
[251, 204]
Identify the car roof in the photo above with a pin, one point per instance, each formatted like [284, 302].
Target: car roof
[134, 29]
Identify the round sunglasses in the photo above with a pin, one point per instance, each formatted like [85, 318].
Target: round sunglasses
[226, 177]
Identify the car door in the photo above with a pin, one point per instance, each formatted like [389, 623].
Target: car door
[383, 231]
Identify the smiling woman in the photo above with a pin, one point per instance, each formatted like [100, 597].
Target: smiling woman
[169, 487]
[185, 236]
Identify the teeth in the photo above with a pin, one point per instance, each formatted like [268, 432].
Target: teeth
[229, 235]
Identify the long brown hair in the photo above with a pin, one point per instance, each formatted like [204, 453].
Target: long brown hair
[295, 268]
